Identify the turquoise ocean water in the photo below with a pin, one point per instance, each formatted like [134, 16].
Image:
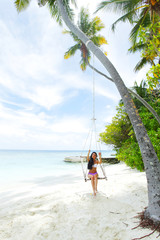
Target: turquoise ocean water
[29, 165]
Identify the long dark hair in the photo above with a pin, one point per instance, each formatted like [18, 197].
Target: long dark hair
[91, 162]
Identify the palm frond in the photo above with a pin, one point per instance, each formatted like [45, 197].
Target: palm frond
[83, 64]
[143, 21]
[118, 5]
[99, 40]
[75, 38]
[102, 40]
[143, 84]
[65, 31]
[74, 3]
[113, 5]
[141, 64]
[145, 13]
[84, 20]
[54, 10]
[97, 24]
[41, 3]
[130, 16]
[137, 47]
[21, 4]
[90, 28]
[71, 51]
[141, 90]
[130, 5]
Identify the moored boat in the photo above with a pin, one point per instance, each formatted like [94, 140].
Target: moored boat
[75, 159]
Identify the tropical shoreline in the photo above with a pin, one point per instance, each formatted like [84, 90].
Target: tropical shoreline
[68, 210]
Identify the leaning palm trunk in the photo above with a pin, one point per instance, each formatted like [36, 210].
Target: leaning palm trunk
[151, 163]
[132, 92]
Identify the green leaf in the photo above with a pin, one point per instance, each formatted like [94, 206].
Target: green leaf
[21, 4]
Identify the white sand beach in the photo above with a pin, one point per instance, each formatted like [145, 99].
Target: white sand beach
[48, 210]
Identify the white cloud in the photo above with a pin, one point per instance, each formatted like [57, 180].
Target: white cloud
[70, 124]
[108, 106]
[29, 130]
[34, 76]
[47, 96]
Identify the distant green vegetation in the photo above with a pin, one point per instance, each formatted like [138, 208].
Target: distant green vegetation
[120, 132]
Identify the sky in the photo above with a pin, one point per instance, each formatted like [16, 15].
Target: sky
[45, 100]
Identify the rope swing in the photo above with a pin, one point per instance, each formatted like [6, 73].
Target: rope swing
[92, 135]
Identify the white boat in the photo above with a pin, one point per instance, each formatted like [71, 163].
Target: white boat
[75, 159]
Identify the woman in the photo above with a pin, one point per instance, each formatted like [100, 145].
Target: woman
[92, 166]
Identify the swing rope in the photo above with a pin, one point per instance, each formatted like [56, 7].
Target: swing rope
[85, 172]
[91, 131]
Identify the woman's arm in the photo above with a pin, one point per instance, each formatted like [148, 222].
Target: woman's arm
[88, 155]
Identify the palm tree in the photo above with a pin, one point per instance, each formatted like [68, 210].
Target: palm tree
[141, 89]
[137, 12]
[90, 28]
[151, 162]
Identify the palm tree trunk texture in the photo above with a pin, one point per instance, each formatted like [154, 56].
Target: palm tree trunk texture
[151, 162]
[132, 92]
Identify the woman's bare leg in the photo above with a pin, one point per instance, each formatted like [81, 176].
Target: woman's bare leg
[93, 183]
[96, 183]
